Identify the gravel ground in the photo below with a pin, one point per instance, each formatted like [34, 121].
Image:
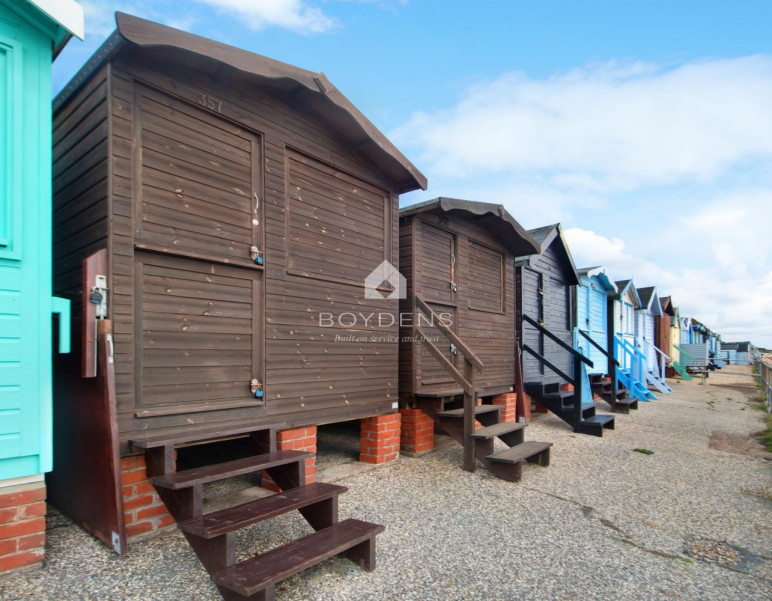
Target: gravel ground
[602, 522]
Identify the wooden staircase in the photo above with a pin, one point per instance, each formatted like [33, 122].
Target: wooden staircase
[582, 419]
[213, 535]
[574, 407]
[506, 464]
[460, 421]
[616, 397]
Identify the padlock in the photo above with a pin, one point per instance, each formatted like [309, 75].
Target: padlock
[256, 254]
[96, 297]
[256, 387]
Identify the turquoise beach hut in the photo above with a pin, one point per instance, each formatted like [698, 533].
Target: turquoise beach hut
[31, 35]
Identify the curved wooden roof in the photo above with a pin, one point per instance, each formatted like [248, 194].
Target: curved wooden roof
[313, 91]
[493, 217]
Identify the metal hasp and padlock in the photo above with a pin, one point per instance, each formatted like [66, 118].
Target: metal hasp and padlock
[453, 349]
[256, 254]
[98, 296]
[256, 387]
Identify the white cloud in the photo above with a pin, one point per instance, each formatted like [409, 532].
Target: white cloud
[736, 302]
[295, 15]
[605, 127]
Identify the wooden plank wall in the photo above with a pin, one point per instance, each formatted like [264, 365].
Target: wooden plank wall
[80, 185]
[407, 356]
[310, 378]
[556, 316]
[489, 332]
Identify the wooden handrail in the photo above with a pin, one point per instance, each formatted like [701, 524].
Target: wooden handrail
[450, 334]
[599, 347]
[560, 343]
[451, 369]
[546, 362]
[629, 347]
[654, 346]
[466, 381]
[685, 356]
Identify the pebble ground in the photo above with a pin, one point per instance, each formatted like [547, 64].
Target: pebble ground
[602, 522]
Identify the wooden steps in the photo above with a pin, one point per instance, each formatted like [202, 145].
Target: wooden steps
[221, 471]
[213, 536]
[478, 411]
[562, 404]
[259, 574]
[499, 429]
[522, 452]
[596, 424]
[233, 518]
[510, 433]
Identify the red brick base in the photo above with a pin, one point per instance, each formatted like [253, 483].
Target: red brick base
[417, 435]
[508, 402]
[379, 438]
[143, 510]
[22, 525]
[299, 439]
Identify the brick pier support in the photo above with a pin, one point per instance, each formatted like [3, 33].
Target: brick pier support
[417, 436]
[22, 526]
[379, 438]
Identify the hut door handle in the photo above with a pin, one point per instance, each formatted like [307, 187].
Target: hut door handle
[256, 219]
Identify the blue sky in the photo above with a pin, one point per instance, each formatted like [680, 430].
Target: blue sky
[645, 128]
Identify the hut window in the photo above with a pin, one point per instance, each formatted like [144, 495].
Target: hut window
[338, 226]
[486, 278]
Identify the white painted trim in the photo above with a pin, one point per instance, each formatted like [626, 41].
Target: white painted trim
[21, 481]
[68, 13]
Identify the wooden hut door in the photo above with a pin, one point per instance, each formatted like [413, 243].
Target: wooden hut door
[198, 293]
[437, 284]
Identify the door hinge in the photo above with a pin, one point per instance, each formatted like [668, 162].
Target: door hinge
[256, 387]
[256, 254]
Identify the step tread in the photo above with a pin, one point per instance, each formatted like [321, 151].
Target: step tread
[221, 431]
[230, 519]
[627, 401]
[497, 430]
[558, 394]
[520, 452]
[220, 471]
[599, 419]
[478, 410]
[257, 573]
[585, 406]
[609, 392]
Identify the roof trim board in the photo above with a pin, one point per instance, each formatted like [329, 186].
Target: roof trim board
[493, 217]
[320, 96]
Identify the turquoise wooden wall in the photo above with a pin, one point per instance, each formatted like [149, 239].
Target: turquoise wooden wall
[25, 243]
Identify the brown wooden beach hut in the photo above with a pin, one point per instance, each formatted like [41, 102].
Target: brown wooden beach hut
[458, 336]
[228, 208]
